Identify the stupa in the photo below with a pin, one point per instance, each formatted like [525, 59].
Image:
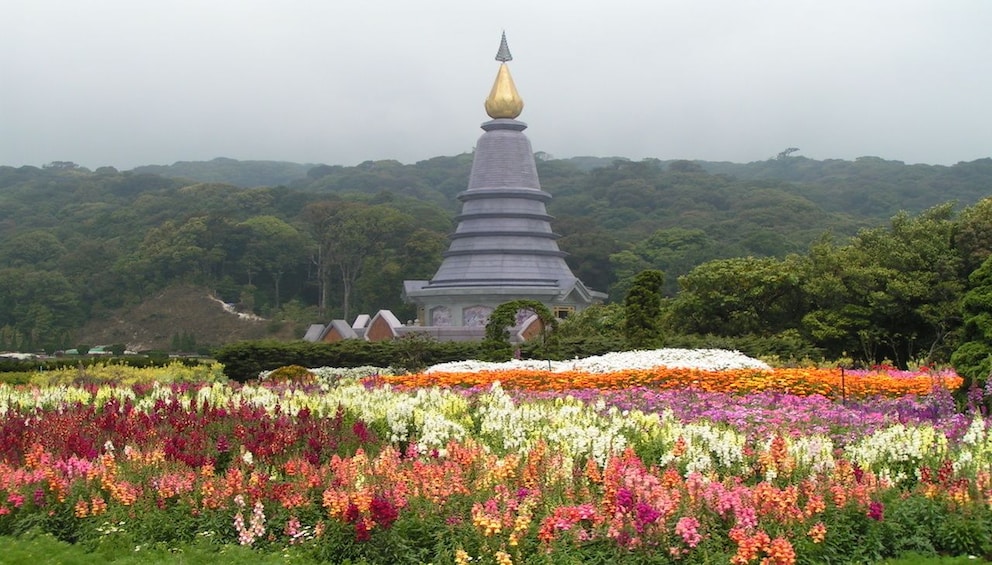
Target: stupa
[503, 248]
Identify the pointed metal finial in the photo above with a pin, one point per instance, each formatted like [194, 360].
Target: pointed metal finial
[503, 55]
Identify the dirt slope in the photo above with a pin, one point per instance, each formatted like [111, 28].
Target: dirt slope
[178, 310]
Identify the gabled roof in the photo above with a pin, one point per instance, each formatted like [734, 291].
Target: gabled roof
[341, 329]
[314, 333]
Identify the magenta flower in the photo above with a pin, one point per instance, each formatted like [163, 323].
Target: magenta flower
[644, 516]
[625, 498]
[876, 510]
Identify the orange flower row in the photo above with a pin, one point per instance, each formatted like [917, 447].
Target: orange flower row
[802, 381]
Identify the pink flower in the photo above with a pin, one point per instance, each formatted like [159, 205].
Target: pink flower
[16, 499]
[294, 530]
[688, 528]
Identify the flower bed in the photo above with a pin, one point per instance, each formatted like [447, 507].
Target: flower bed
[677, 369]
[354, 468]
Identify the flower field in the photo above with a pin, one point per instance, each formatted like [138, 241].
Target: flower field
[709, 458]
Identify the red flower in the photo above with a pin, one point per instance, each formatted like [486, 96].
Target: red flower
[383, 512]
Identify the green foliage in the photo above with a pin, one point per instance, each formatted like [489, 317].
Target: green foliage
[674, 251]
[740, 296]
[230, 171]
[597, 320]
[413, 351]
[348, 235]
[596, 330]
[642, 310]
[564, 348]
[85, 242]
[891, 293]
[973, 362]
[121, 549]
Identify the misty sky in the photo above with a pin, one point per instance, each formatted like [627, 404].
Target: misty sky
[134, 82]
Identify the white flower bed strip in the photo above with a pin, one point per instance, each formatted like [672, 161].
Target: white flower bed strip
[703, 359]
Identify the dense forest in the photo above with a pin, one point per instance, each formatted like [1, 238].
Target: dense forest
[867, 258]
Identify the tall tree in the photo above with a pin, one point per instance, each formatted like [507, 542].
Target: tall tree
[740, 296]
[642, 309]
[896, 288]
[347, 235]
[973, 235]
[274, 247]
[973, 359]
[39, 305]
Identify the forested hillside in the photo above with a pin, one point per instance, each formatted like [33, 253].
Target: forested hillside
[332, 241]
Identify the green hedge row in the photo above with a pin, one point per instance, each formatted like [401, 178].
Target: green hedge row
[243, 361]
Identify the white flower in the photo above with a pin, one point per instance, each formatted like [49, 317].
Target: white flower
[704, 359]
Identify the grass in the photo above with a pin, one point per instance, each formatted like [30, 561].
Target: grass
[924, 560]
[43, 549]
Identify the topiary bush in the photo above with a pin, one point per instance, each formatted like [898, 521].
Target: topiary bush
[496, 345]
[291, 374]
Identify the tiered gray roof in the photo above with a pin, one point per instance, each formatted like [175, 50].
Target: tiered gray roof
[504, 235]
[503, 247]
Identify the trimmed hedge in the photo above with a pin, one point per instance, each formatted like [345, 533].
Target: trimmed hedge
[243, 361]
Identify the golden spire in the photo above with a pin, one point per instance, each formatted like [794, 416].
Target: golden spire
[503, 101]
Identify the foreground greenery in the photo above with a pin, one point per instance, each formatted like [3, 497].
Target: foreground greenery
[43, 549]
[334, 465]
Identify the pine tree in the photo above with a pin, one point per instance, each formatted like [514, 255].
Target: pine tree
[642, 308]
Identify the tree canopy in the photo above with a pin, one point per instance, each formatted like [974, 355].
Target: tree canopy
[860, 258]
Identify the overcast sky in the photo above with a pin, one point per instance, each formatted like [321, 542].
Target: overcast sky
[134, 82]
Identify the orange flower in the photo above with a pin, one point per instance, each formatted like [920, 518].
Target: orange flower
[799, 381]
[818, 532]
[98, 506]
[780, 552]
[82, 508]
[462, 557]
